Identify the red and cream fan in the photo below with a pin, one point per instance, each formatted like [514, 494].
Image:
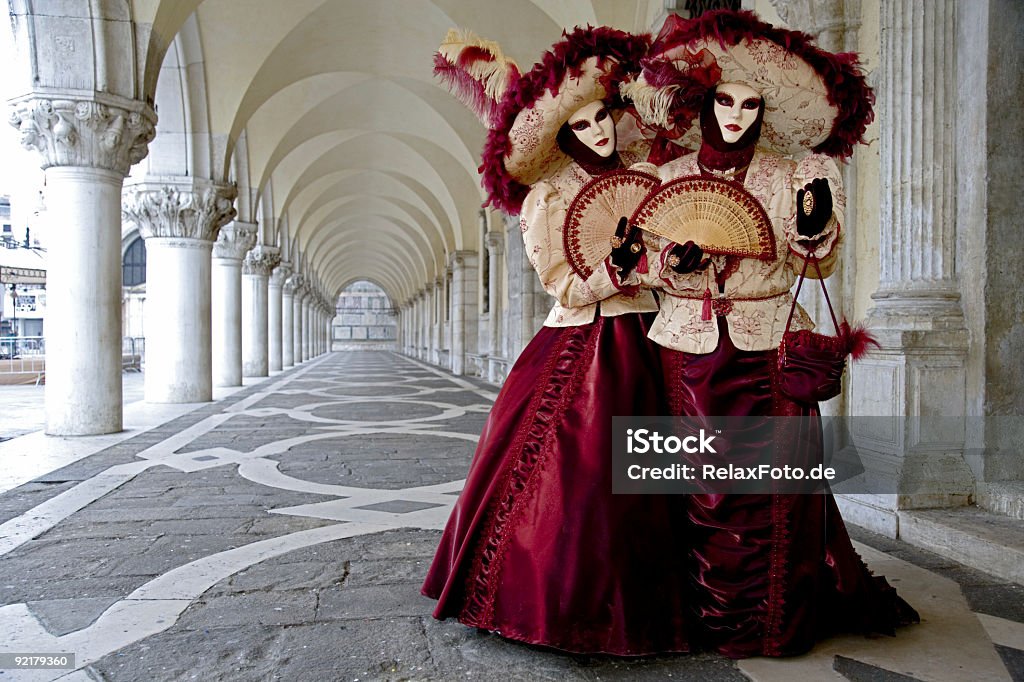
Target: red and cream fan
[594, 214]
[717, 215]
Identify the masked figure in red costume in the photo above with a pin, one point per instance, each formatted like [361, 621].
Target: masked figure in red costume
[537, 548]
[766, 111]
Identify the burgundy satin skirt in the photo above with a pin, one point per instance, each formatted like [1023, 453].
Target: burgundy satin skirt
[770, 574]
[537, 547]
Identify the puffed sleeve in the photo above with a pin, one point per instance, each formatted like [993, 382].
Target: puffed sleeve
[824, 244]
[541, 221]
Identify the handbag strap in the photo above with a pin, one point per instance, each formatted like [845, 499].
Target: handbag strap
[800, 282]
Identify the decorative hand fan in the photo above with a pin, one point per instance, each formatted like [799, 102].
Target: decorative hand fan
[718, 216]
[594, 214]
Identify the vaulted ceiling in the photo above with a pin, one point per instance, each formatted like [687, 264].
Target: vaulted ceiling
[326, 115]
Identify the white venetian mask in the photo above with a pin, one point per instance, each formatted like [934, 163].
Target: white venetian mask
[593, 126]
[736, 109]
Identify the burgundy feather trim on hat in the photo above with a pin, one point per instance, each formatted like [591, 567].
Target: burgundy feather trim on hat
[562, 60]
[476, 72]
[848, 90]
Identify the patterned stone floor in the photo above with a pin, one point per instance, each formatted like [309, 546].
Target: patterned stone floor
[282, 532]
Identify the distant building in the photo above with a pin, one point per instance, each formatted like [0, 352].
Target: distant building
[364, 315]
[22, 278]
[6, 231]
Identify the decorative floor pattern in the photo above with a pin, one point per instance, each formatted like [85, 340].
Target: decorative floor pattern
[283, 532]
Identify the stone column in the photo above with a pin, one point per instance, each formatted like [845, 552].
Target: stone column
[328, 323]
[321, 337]
[233, 241]
[410, 327]
[298, 284]
[919, 372]
[179, 218]
[409, 315]
[318, 330]
[522, 296]
[256, 269]
[322, 317]
[414, 328]
[288, 323]
[407, 339]
[446, 317]
[495, 242]
[437, 331]
[329, 311]
[399, 329]
[275, 317]
[426, 321]
[87, 148]
[464, 309]
[314, 329]
[306, 303]
[417, 307]
[300, 293]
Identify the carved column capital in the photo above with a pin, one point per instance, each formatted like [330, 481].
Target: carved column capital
[461, 258]
[106, 132]
[823, 19]
[495, 243]
[280, 274]
[188, 210]
[234, 239]
[261, 260]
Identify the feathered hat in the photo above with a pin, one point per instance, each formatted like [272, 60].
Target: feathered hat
[521, 147]
[476, 72]
[814, 100]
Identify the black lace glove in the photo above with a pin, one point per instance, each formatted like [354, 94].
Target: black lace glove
[813, 207]
[686, 258]
[626, 250]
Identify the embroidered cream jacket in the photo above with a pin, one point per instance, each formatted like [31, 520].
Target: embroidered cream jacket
[576, 300]
[753, 324]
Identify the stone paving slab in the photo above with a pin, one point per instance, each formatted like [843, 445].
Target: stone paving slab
[350, 618]
[283, 533]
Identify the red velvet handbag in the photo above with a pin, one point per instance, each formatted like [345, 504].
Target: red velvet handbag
[811, 365]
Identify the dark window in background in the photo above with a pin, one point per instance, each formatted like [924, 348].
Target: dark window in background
[133, 270]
